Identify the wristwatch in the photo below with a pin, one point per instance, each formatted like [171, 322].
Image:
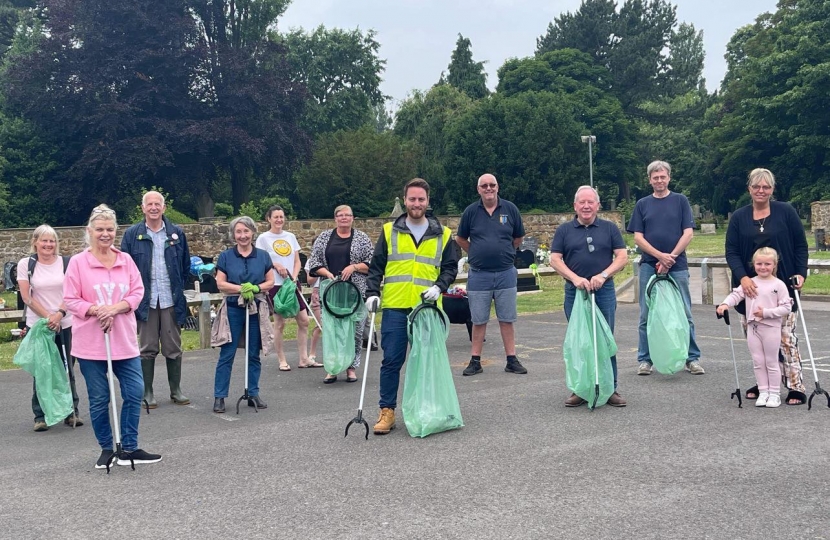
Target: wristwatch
[604, 275]
[62, 312]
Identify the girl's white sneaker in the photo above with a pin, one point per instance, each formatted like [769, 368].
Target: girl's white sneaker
[773, 401]
[762, 399]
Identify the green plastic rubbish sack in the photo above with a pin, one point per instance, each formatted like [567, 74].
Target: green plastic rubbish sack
[39, 355]
[342, 307]
[667, 326]
[579, 352]
[430, 404]
[285, 301]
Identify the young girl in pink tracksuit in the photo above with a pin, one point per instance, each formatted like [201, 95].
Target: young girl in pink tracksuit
[764, 316]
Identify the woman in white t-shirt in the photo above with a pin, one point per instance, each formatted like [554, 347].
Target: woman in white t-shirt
[42, 292]
[284, 250]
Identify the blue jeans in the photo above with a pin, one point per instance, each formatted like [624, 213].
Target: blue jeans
[236, 322]
[606, 299]
[681, 277]
[131, 382]
[394, 342]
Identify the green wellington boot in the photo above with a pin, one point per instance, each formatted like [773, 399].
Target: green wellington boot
[148, 368]
[174, 377]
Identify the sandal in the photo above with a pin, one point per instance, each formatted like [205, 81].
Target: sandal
[799, 397]
[312, 362]
[285, 367]
[752, 393]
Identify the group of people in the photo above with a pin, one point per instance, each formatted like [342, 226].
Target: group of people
[139, 290]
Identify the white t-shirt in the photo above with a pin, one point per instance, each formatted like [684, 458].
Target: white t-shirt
[282, 248]
[307, 268]
[46, 288]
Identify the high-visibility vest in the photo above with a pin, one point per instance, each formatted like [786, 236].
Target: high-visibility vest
[410, 269]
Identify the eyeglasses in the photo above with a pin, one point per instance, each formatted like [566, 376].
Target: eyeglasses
[97, 211]
[488, 186]
[759, 187]
[591, 246]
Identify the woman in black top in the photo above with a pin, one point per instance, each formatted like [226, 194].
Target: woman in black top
[346, 252]
[768, 223]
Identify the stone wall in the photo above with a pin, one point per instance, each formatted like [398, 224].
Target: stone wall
[209, 239]
[820, 215]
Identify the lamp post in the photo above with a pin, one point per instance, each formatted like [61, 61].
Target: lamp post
[590, 139]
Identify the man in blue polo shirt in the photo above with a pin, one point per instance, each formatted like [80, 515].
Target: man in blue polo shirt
[490, 231]
[587, 252]
[663, 226]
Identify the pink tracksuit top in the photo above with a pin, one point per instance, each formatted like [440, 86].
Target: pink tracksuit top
[88, 282]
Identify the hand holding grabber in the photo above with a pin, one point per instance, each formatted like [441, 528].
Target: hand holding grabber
[818, 391]
[737, 392]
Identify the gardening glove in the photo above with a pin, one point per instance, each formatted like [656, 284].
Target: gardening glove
[372, 304]
[247, 291]
[432, 294]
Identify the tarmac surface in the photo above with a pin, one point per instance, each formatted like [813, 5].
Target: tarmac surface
[680, 461]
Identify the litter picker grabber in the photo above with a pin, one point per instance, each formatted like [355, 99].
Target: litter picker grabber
[818, 391]
[359, 418]
[245, 396]
[68, 379]
[737, 392]
[596, 358]
[116, 426]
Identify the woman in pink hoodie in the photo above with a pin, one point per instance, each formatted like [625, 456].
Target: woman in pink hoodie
[102, 288]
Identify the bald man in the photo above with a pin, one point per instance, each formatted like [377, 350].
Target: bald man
[490, 231]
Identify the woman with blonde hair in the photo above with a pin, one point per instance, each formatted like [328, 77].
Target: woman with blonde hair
[40, 277]
[102, 289]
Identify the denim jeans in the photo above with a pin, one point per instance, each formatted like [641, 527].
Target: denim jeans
[131, 382]
[606, 299]
[394, 342]
[681, 277]
[236, 322]
[64, 337]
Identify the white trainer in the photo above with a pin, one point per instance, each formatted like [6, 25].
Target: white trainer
[762, 399]
[773, 401]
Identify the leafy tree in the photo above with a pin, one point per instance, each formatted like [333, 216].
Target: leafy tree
[775, 110]
[342, 72]
[10, 17]
[363, 168]
[425, 118]
[464, 73]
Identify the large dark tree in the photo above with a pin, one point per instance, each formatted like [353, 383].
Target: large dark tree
[110, 83]
[465, 73]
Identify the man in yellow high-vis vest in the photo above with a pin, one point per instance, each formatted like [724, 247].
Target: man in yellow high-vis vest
[414, 256]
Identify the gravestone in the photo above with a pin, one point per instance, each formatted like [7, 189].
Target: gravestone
[708, 228]
[696, 211]
[529, 243]
[524, 258]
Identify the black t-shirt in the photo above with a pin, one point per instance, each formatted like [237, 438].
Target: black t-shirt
[587, 251]
[491, 236]
[338, 252]
[662, 222]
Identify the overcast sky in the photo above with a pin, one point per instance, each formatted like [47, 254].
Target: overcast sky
[417, 37]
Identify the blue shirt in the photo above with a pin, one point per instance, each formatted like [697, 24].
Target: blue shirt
[662, 222]
[240, 269]
[587, 250]
[161, 296]
[491, 236]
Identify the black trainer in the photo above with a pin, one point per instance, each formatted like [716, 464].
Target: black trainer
[106, 457]
[259, 403]
[514, 366]
[473, 368]
[137, 457]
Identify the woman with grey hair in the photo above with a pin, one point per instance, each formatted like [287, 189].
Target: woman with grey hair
[244, 275]
[775, 224]
[40, 278]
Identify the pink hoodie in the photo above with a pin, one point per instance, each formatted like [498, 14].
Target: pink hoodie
[88, 282]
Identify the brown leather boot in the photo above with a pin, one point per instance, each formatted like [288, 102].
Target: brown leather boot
[386, 421]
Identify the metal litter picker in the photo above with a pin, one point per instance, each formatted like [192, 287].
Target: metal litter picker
[737, 392]
[116, 427]
[245, 395]
[818, 391]
[359, 418]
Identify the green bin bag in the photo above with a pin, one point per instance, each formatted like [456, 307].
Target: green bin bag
[579, 352]
[39, 355]
[667, 326]
[342, 307]
[430, 404]
[285, 301]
